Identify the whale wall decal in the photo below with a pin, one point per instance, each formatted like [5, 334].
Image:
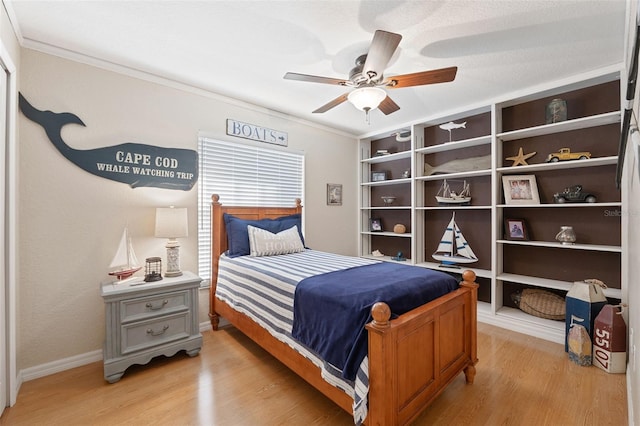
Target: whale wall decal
[138, 165]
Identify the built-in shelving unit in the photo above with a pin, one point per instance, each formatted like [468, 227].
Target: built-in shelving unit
[497, 131]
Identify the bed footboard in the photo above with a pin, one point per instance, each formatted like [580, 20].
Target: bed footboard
[414, 357]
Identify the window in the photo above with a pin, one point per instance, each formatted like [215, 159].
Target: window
[243, 175]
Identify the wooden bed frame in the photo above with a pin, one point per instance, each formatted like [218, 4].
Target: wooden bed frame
[411, 358]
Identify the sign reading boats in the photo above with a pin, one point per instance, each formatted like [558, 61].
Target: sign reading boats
[138, 165]
[256, 133]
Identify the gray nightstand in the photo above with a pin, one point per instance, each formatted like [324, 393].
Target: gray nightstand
[147, 320]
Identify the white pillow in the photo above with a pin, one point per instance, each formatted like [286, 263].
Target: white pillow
[265, 243]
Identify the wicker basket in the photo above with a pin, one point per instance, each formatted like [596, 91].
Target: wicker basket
[540, 303]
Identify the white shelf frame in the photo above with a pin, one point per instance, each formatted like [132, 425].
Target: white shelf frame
[551, 284]
[387, 182]
[388, 234]
[554, 244]
[386, 208]
[561, 205]
[560, 165]
[449, 146]
[459, 175]
[563, 126]
[454, 208]
[386, 158]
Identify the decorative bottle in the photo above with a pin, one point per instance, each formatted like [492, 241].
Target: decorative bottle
[556, 111]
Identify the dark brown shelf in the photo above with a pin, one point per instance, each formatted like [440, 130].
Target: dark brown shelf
[594, 100]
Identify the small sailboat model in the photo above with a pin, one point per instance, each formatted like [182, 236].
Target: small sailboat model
[446, 195]
[125, 261]
[453, 247]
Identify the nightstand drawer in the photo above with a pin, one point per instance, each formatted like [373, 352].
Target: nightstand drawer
[145, 334]
[151, 306]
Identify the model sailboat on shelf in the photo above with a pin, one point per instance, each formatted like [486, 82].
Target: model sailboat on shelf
[446, 195]
[453, 247]
[124, 263]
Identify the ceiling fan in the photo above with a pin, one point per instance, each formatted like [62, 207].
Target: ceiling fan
[367, 77]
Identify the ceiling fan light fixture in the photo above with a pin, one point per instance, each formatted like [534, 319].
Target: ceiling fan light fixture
[367, 98]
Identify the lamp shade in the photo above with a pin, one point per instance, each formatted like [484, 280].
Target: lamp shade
[171, 222]
[367, 98]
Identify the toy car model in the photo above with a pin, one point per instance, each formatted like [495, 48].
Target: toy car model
[565, 154]
[573, 194]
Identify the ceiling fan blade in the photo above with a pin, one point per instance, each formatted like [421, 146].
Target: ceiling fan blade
[383, 45]
[387, 106]
[337, 101]
[314, 79]
[441, 75]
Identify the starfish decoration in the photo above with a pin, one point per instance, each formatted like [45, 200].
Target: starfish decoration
[520, 158]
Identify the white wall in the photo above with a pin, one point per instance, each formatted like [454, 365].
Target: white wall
[71, 220]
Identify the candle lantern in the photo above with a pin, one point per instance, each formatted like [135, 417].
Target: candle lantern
[153, 269]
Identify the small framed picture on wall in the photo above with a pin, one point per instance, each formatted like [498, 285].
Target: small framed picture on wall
[334, 194]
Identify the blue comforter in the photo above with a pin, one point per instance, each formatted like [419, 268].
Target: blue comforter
[330, 310]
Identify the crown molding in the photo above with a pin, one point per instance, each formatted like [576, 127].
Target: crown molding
[185, 86]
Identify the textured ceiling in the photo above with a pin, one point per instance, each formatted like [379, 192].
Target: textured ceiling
[242, 49]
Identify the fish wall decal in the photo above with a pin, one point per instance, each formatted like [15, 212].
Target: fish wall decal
[138, 165]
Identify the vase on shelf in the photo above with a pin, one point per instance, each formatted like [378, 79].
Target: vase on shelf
[566, 235]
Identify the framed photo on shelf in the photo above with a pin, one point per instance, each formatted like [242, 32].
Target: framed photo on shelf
[520, 189]
[334, 194]
[515, 229]
[378, 176]
[375, 225]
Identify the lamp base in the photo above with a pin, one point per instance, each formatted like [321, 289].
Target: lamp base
[173, 260]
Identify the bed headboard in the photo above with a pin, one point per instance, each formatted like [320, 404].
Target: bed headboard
[219, 232]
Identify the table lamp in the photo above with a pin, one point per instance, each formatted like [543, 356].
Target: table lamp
[171, 223]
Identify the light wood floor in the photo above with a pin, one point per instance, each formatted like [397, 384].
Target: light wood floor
[520, 381]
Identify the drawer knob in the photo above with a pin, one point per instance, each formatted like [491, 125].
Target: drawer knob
[157, 333]
[155, 308]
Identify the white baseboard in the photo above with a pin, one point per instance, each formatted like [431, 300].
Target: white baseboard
[206, 326]
[53, 367]
[59, 365]
[530, 329]
[630, 396]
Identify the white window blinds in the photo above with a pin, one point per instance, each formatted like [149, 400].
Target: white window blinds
[243, 175]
